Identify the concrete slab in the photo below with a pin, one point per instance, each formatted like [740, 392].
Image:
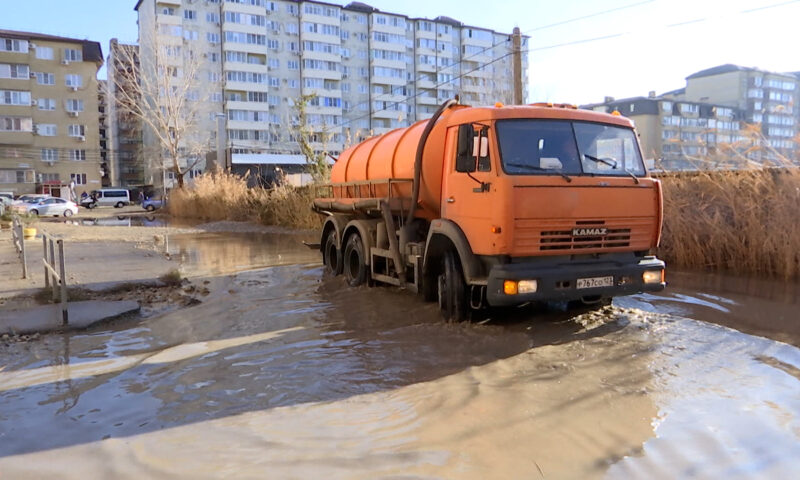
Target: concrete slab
[46, 318]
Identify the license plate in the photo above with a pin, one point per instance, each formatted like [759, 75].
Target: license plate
[595, 282]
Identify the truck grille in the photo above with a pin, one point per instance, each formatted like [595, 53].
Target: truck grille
[556, 236]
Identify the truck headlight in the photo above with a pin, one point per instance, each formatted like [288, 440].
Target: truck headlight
[653, 276]
[514, 287]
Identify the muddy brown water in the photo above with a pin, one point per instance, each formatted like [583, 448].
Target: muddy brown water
[283, 372]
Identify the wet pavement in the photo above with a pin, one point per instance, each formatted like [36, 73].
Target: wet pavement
[283, 372]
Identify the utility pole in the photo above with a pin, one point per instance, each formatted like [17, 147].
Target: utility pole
[221, 164]
[517, 61]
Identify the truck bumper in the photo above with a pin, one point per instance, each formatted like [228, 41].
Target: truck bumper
[559, 282]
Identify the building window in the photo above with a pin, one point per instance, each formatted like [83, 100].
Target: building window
[16, 124]
[74, 105]
[44, 53]
[190, 14]
[78, 178]
[15, 97]
[12, 45]
[212, 37]
[77, 155]
[49, 155]
[49, 177]
[168, 11]
[43, 78]
[47, 129]
[76, 130]
[212, 17]
[14, 70]
[73, 55]
[73, 80]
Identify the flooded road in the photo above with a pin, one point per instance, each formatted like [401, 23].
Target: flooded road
[285, 373]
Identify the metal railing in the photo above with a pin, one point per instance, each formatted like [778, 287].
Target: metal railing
[56, 280]
[18, 237]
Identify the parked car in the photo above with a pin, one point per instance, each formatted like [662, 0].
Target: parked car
[151, 204]
[52, 207]
[107, 197]
[30, 197]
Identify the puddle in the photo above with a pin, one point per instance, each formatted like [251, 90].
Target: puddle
[287, 371]
[221, 253]
[122, 221]
[757, 306]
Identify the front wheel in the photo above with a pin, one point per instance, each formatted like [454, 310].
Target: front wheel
[35, 212]
[67, 213]
[150, 208]
[119, 205]
[355, 266]
[452, 289]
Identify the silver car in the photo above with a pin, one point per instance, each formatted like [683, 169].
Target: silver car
[52, 207]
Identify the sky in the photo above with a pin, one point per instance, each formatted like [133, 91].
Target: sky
[579, 50]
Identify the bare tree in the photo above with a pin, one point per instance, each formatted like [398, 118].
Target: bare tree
[159, 84]
[306, 136]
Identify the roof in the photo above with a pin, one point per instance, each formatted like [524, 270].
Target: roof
[718, 70]
[92, 52]
[728, 68]
[360, 7]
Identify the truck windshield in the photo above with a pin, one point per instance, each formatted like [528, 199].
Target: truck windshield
[558, 147]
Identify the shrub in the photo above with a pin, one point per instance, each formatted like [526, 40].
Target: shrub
[226, 196]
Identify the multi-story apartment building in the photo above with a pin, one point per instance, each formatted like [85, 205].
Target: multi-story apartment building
[125, 157]
[103, 124]
[765, 98]
[363, 71]
[678, 133]
[49, 135]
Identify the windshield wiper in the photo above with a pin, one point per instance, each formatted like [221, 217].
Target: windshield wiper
[608, 161]
[539, 169]
[611, 163]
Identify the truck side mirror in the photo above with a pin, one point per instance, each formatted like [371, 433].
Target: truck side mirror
[465, 159]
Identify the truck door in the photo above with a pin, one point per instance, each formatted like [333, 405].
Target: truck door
[469, 197]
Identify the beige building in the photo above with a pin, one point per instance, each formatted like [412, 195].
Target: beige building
[678, 134]
[765, 98]
[369, 71]
[49, 114]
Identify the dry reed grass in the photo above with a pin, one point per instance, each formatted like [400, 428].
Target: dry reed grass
[226, 196]
[740, 221]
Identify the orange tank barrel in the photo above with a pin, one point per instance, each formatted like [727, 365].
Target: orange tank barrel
[392, 156]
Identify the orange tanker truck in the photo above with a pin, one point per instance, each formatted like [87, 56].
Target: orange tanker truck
[496, 206]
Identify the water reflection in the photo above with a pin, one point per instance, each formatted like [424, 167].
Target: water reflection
[218, 253]
[121, 221]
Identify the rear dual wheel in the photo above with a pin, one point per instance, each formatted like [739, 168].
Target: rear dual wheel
[354, 260]
[331, 256]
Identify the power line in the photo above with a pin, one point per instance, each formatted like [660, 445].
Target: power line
[577, 42]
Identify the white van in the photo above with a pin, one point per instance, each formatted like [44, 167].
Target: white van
[107, 197]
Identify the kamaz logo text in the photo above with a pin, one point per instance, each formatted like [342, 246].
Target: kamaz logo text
[589, 232]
